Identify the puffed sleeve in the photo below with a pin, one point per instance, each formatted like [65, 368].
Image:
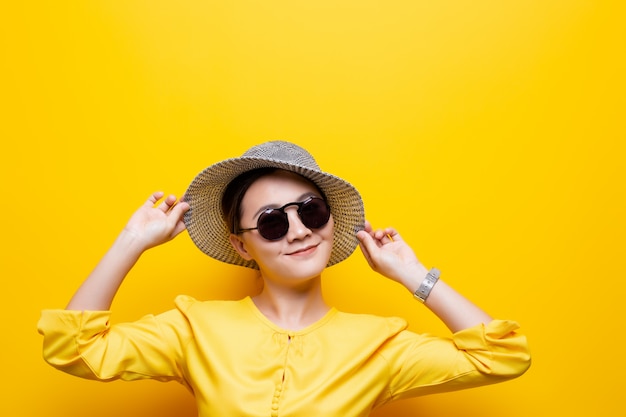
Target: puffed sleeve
[480, 355]
[85, 344]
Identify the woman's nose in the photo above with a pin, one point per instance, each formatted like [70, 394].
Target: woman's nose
[297, 229]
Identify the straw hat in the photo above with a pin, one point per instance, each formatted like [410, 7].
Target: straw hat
[205, 220]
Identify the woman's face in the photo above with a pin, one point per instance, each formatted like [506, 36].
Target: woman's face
[302, 253]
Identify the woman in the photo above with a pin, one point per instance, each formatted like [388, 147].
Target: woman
[284, 351]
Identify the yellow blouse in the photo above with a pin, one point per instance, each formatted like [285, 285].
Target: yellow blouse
[238, 363]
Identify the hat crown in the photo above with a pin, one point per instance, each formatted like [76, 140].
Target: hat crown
[285, 152]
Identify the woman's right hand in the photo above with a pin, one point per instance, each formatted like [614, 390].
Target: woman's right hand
[154, 224]
[151, 225]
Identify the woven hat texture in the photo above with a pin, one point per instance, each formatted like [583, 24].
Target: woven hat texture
[205, 221]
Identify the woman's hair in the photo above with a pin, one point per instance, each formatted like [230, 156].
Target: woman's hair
[233, 195]
[236, 189]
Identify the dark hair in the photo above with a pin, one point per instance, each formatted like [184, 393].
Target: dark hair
[233, 195]
[236, 189]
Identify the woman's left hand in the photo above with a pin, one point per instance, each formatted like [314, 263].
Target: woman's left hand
[388, 254]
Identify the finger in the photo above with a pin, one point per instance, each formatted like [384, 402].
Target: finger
[368, 245]
[387, 235]
[392, 234]
[379, 234]
[365, 253]
[179, 209]
[175, 218]
[156, 196]
[168, 202]
[180, 226]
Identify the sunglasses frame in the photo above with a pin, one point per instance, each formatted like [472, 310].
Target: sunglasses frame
[284, 214]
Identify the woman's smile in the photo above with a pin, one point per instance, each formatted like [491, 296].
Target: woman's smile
[307, 250]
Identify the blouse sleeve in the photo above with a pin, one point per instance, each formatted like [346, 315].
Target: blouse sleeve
[85, 344]
[480, 355]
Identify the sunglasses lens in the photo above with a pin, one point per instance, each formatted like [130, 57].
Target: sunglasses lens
[273, 224]
[314, 213]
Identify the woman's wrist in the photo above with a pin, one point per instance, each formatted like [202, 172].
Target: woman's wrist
[130, 243]
[414, 278]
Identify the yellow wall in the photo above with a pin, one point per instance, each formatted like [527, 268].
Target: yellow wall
[490, 133]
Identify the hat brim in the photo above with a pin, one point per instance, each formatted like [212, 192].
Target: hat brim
[207, 227]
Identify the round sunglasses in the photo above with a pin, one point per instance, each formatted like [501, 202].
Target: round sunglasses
[273, 223]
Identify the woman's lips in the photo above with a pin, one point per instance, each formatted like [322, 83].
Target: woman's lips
[304, 251]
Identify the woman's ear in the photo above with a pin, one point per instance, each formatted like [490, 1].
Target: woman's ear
[239, 246]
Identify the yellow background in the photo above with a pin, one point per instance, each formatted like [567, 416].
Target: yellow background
[490, 133]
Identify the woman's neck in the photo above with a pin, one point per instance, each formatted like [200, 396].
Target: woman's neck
[292, 308]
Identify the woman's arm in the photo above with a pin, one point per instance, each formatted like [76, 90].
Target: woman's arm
[387, 253]
[151, 225]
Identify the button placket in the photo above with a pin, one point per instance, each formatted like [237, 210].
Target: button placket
[285, 342]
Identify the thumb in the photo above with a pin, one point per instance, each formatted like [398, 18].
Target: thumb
[179, 209]
[367, 245]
